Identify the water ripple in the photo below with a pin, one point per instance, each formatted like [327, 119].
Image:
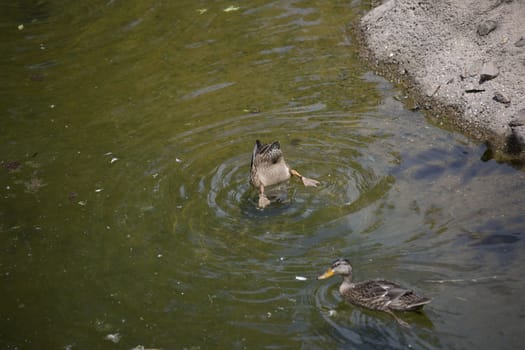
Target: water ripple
[215, 159]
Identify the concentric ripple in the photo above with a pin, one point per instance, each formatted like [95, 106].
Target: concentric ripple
[209, 170]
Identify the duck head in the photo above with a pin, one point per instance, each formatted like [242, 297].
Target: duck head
[339, 267]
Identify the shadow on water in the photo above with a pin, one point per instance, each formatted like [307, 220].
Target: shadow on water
[127, 217]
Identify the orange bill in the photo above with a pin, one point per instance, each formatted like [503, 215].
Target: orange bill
[329, 273]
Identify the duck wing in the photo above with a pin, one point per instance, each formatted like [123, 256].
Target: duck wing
[384, 295]
[392, 296]
[255, 151]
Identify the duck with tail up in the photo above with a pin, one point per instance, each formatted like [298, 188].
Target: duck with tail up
[268, 167]
[376, 294]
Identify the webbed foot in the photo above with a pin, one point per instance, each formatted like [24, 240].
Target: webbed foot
[263, 202]
[309, 182]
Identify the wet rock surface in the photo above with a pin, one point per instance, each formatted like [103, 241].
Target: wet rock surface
[463, 59]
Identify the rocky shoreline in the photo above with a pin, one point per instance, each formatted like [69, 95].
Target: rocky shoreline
[461, 60]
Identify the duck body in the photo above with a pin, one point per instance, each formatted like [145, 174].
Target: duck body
[379, 294]
[268, 168]
[382, 295]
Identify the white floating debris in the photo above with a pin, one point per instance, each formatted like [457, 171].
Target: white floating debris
[98, 190]
[115, 337]
[21, 27]
[300, 278]
[51, 106]
[202, 11]
[231, 8]
[332, 313]
[108, 153]
[178, 160]
[82, 203]
[113, 160]
[159, 256]
[155, 175]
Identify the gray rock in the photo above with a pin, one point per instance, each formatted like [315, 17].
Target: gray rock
[488, 72]
[436, 40]
[486, 27]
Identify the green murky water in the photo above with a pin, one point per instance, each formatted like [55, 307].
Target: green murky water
[126, 217]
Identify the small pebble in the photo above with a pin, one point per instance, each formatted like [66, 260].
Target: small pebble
[520, 42]
[499, 97]
[486, 27]
[518, 119]
[488, 71]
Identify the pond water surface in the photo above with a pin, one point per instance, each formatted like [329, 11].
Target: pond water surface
[127, 219]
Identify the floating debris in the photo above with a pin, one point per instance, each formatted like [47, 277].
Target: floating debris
[178, 160]
[21, 27]
[231, 8]
[300, 278]
[14, 165]
[202, 11]
[34, 184]
[113, 160]
[82, 203]
[115, 337]
[98, 190]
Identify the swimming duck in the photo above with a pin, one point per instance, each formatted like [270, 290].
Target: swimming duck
[268, 167]
[377, 294]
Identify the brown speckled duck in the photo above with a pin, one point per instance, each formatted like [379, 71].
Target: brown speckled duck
[268, 167]
[377, 294]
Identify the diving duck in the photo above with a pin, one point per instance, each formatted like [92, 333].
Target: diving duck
[376, 294]
[268, 167]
